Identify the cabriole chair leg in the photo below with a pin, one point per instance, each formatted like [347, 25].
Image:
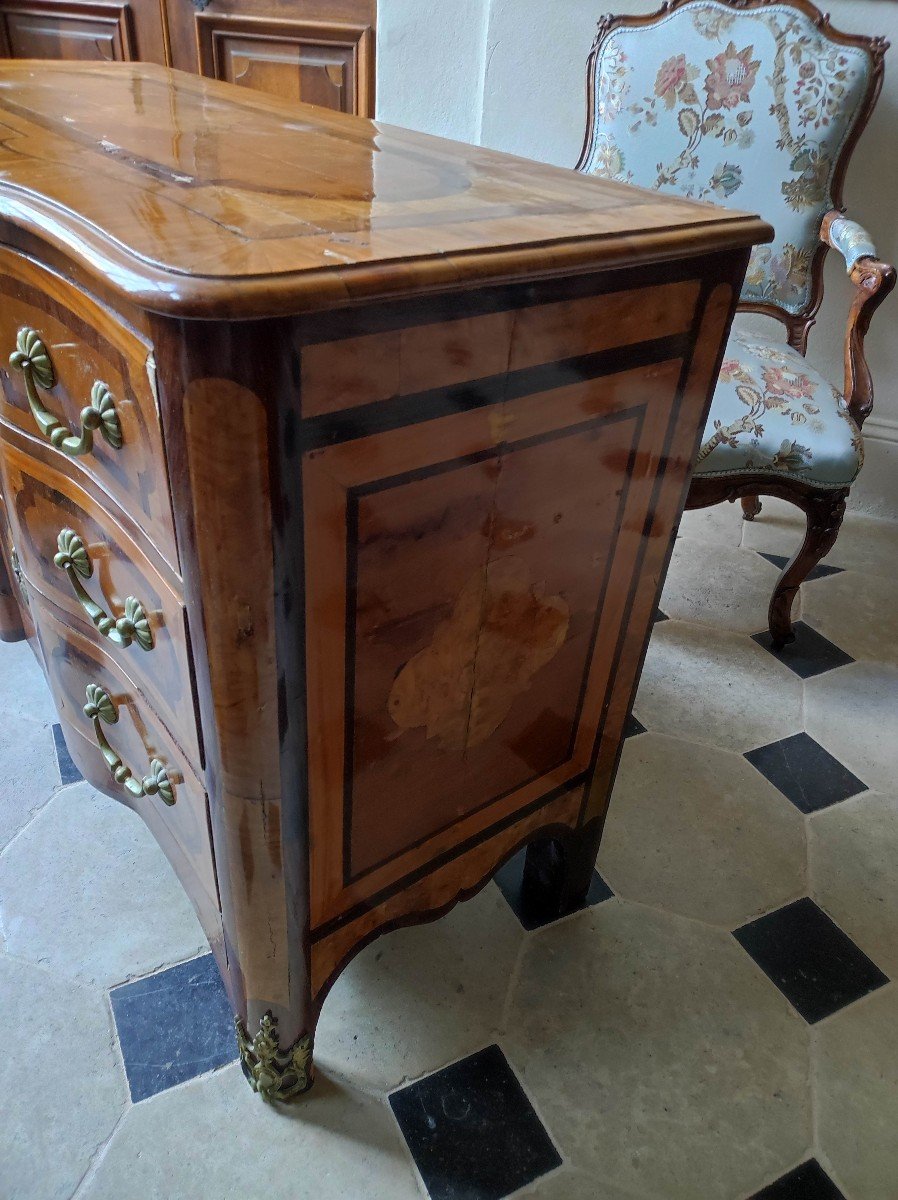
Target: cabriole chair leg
[824, 511]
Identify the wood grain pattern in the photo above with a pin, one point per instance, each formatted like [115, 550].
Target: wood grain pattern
[11, 626]
[87, 343]
[358, 208]
[44, 502]
[72, 662]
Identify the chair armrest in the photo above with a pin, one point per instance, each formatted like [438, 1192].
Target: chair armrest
[873, 280]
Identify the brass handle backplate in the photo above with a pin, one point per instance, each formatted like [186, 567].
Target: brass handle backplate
[101, 707]
[32, 358]
[133, 626]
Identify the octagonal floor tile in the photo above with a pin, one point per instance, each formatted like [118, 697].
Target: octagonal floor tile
[856, 612]
[853, 713]
[418, 998]
[853, 849]
[700, 832]
[856, 1094]
[216, 1138]
[719, 586]
[718, 688]
[28, 777]
[720, 524]
[86, 891]
[61, 1080]
[658, 1056]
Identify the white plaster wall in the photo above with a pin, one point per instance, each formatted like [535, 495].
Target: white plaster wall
[511, 74]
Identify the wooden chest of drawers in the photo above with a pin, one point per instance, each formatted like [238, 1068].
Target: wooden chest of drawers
[340, 471]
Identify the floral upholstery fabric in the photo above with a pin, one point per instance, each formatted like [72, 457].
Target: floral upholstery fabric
[748, 106]
[773, 413]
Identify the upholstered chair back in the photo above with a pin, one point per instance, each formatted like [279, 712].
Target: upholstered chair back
[752, 104]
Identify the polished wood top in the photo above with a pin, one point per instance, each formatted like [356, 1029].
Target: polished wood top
[189, 196]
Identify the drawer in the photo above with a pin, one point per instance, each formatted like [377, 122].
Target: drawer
[93, 361]
[135, 736]
[105, 585]
[13, 598]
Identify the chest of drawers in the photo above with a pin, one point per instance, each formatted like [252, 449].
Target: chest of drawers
[340, 470]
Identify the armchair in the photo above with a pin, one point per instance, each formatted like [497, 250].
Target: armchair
[761, 102]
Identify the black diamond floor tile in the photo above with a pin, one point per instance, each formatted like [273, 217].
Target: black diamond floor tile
[816, 966]
[633, 726]
[510, 876]
[472, 1131]
[68, 772]
[807, 1182]
[806, 773]
[809, 655]
[660, 616]
[819, 572]
[173, 1026]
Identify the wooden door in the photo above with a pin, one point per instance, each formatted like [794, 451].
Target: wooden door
[83, 31]
[314, 51]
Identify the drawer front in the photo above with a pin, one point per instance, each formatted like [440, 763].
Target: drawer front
[63, 355]
[137, 738]
[13, 598]
[73, 553]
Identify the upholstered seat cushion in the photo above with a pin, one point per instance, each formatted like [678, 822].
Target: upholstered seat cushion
[773, 413]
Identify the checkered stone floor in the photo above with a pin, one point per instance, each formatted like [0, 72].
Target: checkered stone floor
[718, 1023]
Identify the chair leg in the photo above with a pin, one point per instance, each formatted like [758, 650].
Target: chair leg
[751, 506]
[824, 511]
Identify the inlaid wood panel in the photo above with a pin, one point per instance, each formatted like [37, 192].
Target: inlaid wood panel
[458, 567]
[225, 202]
[87, 343]
[312, 62]
[44, 502]
[182, 829]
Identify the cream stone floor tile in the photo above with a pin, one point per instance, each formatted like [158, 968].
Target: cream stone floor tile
[28, 772]
[853, 712]
[421, 997]
[719, 586]
[25, 692]
[659, 1056]
[778, 529]
[853, 852]
[61, 1080]
[86, 891]
[856, 1094]
[719, 525]
[715, 687]
[700, 832]
[214, 1139]
[857, 612]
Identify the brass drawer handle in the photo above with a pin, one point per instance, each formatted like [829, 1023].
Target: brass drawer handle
[100, 707]
[32, 358]
[134, 626]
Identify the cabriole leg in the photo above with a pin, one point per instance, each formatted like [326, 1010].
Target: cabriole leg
[751, 507]
[824, 511]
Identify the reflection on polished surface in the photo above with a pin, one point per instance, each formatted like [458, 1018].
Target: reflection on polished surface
[167, 173]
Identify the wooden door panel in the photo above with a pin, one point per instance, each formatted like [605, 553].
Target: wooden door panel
[313, 62]
[71, 31]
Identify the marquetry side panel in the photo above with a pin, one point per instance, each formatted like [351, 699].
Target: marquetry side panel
[459, 567]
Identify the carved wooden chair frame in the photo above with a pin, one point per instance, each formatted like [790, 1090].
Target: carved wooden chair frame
[824, 508]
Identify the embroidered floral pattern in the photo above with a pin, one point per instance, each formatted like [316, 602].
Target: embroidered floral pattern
[751, 105]
[773, 412]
